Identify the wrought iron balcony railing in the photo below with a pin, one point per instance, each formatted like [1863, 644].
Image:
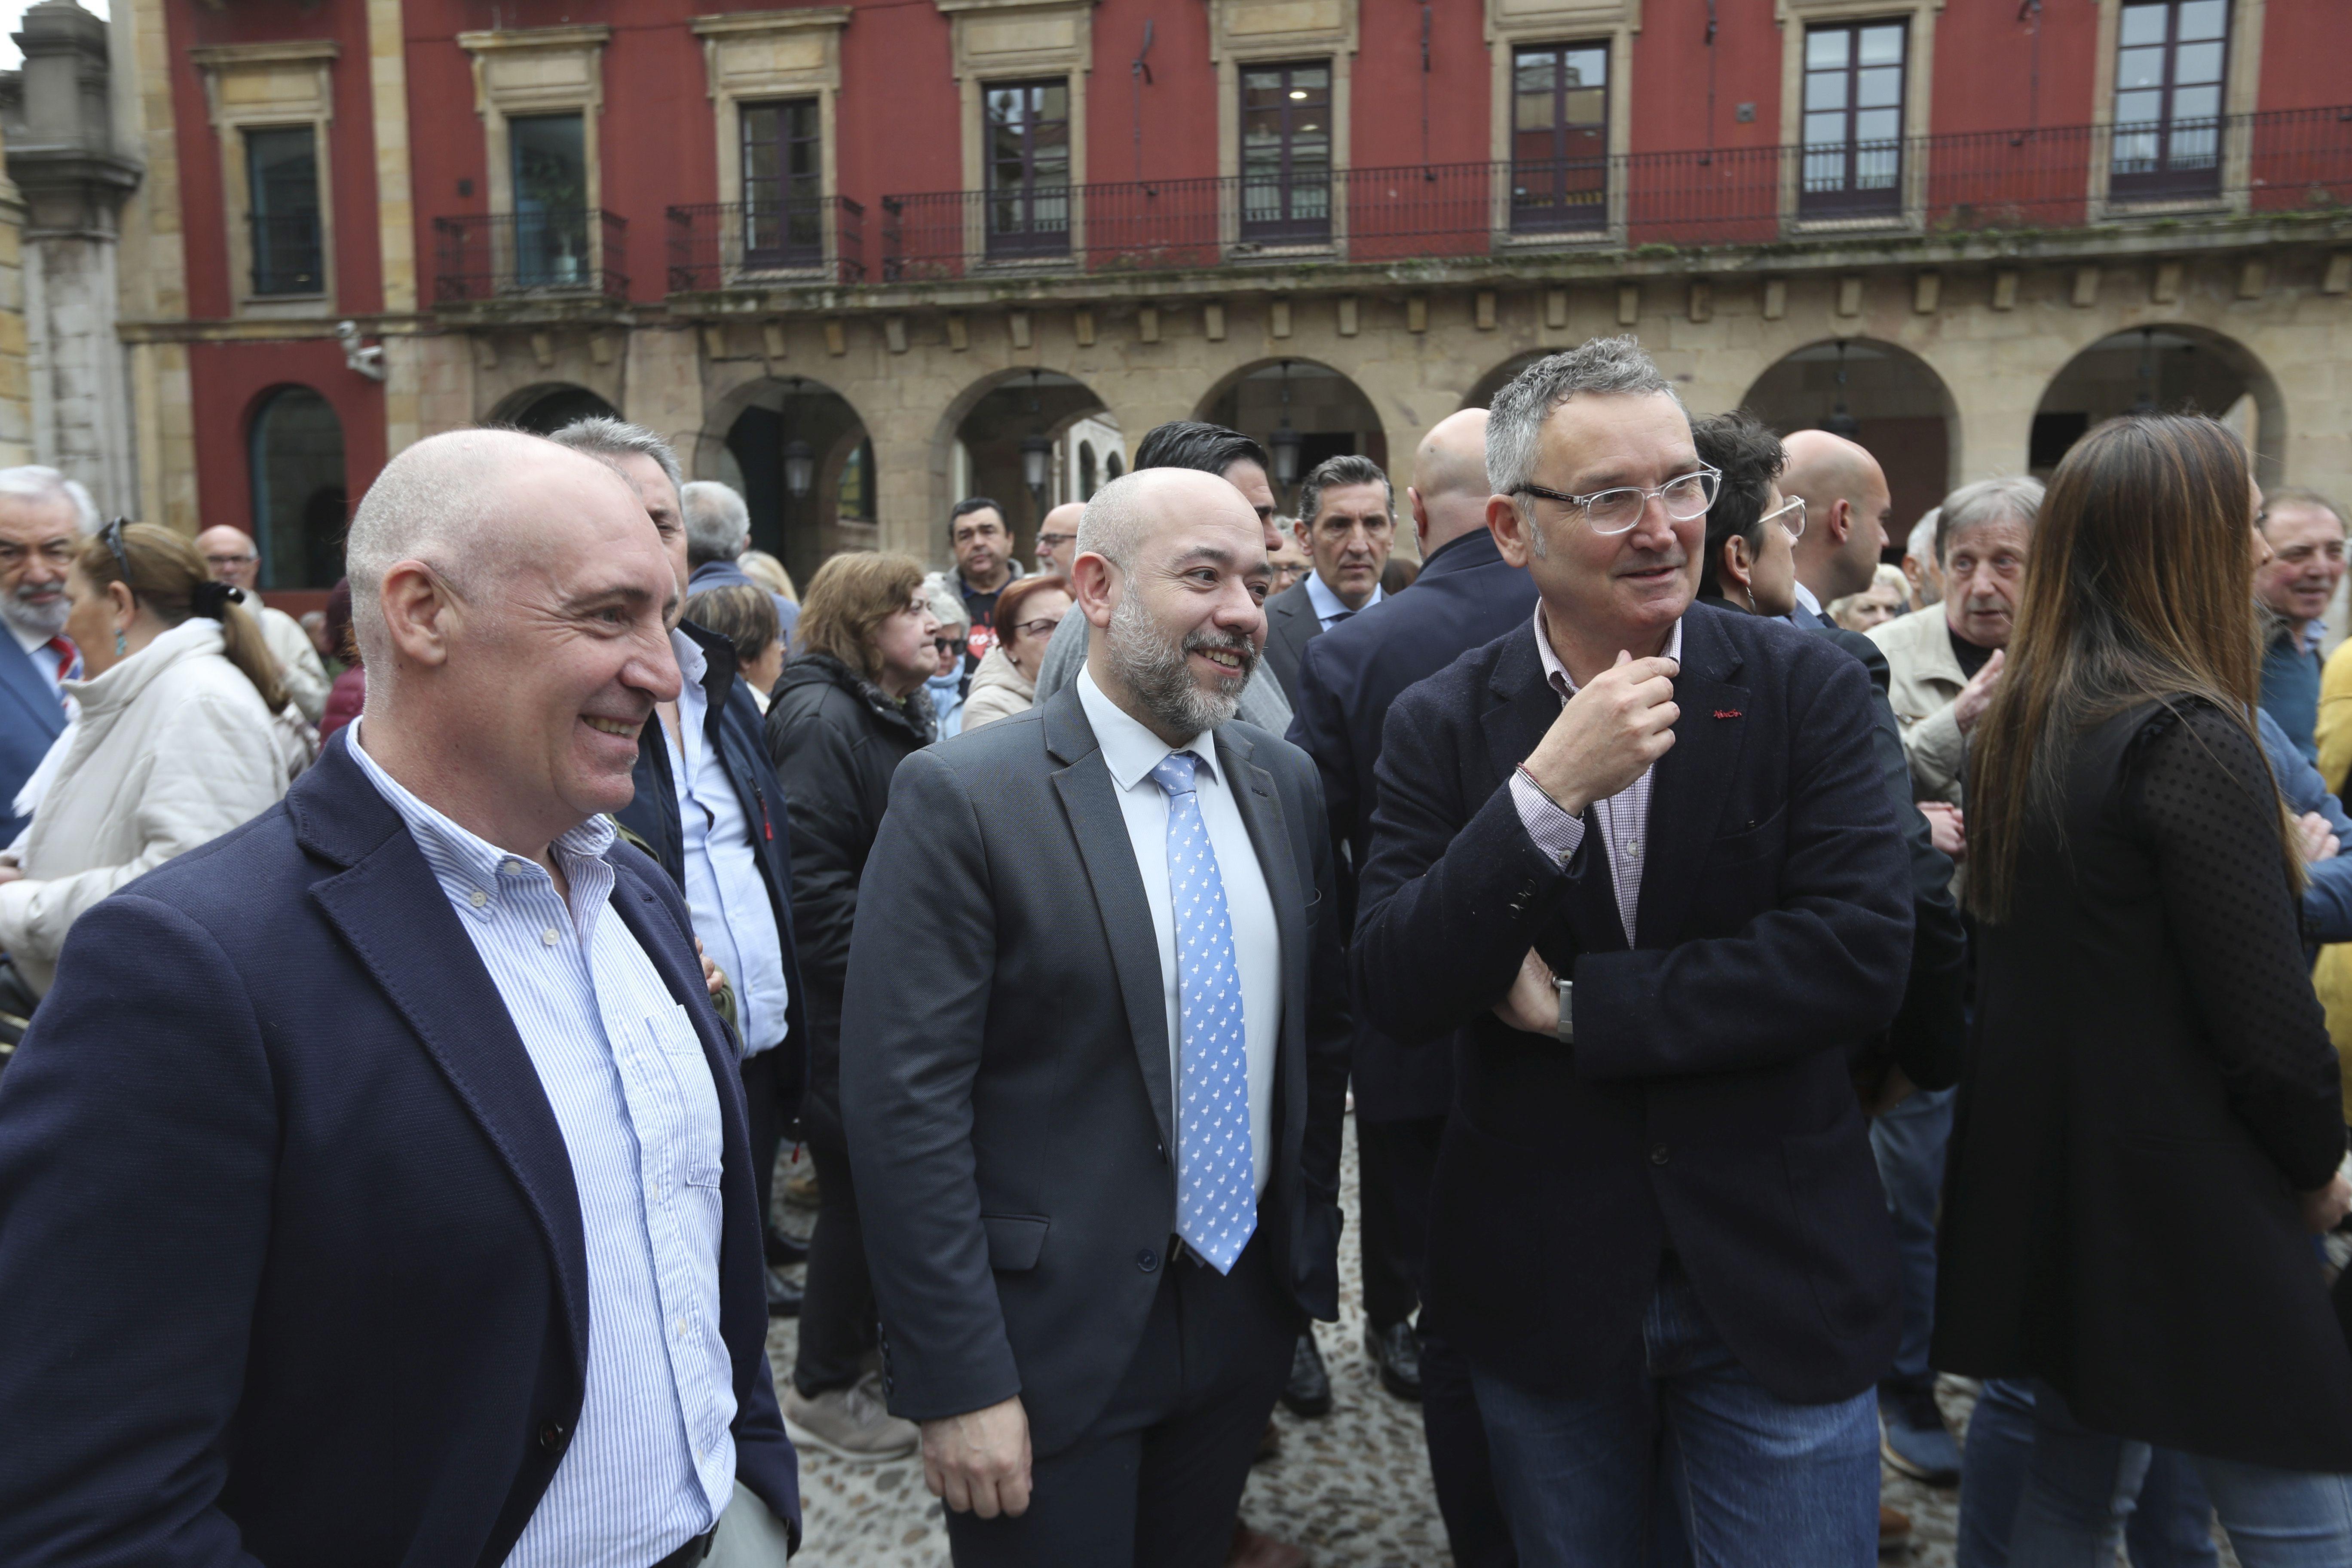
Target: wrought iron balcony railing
[721, 245]
[287, 256]
[531, 254]
[2062, 178]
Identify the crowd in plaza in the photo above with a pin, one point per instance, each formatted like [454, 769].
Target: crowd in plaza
[1764, 980]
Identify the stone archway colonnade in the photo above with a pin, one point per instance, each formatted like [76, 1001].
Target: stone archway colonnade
[912, 379]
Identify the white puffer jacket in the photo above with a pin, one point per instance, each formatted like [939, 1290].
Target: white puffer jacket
[171, 750]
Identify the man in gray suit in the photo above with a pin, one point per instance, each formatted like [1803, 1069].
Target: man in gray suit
[1098, 1158]
[1347, 522]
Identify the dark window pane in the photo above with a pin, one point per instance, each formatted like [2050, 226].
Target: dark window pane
[296, 457]
[282, 182]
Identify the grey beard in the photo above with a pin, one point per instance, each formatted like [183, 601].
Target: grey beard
[1154, 668]
[44, 620]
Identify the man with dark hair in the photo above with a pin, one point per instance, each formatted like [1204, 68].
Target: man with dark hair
[983, 542]
[1346, 521]
[1748, 561]
[1240, 462]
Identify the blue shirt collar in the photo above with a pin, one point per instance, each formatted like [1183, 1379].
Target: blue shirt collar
[1130, 749]
[1328, 604]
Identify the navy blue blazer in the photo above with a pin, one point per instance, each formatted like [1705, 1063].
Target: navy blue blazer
[1465, 597]
[1705, 1105]
[291, 1268]
[31, 716]
[738, 734]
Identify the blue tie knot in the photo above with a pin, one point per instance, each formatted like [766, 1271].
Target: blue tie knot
[1174, 773]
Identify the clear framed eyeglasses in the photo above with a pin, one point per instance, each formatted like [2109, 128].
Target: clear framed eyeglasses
[1617, 510]
[1790, 515]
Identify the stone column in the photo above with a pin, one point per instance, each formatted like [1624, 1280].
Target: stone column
[62, 154]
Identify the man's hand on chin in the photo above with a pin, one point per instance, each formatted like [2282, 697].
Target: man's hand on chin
[979, 1462]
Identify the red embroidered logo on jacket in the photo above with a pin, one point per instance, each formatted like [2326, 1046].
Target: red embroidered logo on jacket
[1727, 713]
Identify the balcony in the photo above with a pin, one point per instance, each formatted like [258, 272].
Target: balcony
[534, 256]
[2065, 178]
[734, 244]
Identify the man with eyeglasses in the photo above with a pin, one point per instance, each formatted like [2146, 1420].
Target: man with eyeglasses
[229, 552]
[1057, 539]
[44, 518]
[1635, 862]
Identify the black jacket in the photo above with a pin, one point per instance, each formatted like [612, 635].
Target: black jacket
[2148, 1085]
[1291, 624]
[731, 719]
[1008, 1090]
[1705, 1105]
[1465, 597]
[835, 741]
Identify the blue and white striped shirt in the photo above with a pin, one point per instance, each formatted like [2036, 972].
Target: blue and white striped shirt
[652, 1462]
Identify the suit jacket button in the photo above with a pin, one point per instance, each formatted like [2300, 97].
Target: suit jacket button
[553, 1437]
[1147, 1260]
[1658, 1155]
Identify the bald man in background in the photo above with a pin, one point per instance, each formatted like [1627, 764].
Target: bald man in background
[376, 1175]
[1058, 538]
[1465, 597]
[1847, 509]
[230, 553]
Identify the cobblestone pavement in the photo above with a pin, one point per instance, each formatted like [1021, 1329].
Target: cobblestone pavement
[1353, 1489]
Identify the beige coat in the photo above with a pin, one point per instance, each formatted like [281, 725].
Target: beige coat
[998, 691]
[172, 749]
[1924, 678]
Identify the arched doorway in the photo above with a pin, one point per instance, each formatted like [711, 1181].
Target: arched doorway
[1328, 413]
[799, 453]
[295, 450]
[2174, 369]
[1016, 426]
[1901, 411]
[548, 407]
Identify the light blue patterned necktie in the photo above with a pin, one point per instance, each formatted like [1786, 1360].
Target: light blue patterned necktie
[1216, 1177]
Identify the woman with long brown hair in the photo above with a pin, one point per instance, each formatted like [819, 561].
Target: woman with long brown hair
[177, 738]
[2148, 1131]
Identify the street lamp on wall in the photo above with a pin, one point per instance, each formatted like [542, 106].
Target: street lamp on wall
[1036, 463]
[1284, 443]
[800, 469]
[1841, 422]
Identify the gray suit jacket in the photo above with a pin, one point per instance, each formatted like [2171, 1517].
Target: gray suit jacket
[1264, 703]
[1291, 624]
[1005, 1077]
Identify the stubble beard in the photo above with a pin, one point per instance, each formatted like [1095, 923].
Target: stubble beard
[1159, 670]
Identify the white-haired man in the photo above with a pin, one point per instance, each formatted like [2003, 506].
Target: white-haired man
[1100, 1180]
[413, 1089]
[44, 518]
[718, 533]
[229, 552]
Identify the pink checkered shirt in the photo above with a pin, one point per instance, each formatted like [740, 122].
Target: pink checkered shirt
[1624, 819]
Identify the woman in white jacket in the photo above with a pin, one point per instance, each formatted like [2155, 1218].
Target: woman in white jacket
[174, 745]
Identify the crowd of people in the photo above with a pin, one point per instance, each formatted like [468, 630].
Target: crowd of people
[1769, 985]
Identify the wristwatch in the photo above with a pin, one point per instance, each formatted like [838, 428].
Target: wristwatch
[1566, 1011]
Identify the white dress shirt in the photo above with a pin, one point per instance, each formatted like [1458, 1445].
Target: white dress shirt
[652, 1462]
[1807, 602]
[1625, 818]
[724, 887]
[46, 656]
[1131, 751]
[1330, 608]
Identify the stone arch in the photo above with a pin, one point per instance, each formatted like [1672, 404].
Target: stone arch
[2173, 366]
[1332, 414]
[748, 434]
[1482, 393]
[301, 500]
[1904, 415]
[548, 406]
[993, 417]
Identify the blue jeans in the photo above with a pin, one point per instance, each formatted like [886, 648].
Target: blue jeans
[1754, 1482]
[1909, 1142]
[2171, 1521]
[2081, 1483]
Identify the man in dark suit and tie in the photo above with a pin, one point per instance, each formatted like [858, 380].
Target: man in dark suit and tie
[1465, 597]
[1094, 1110]
[377, 1182]
[1637, 854]
[43, 517]
[1347, 522]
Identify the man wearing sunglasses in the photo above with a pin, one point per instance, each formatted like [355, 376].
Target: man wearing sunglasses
[1635, 862]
